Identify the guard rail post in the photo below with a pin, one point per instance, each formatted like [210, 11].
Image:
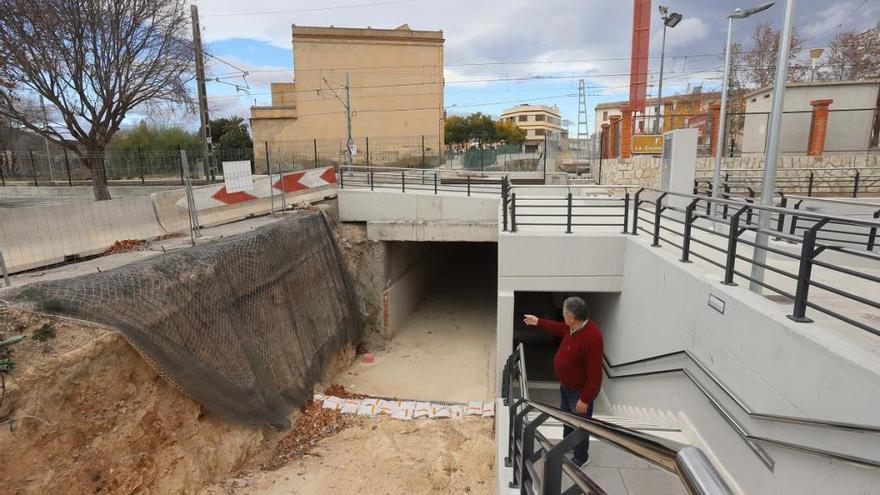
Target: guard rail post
[504, 202]
[568, 216]
[435, 179]
[658, 209]
[732, 236]
[780, 222]
[518, 467]
[808, 252]
[341, 178]
[794, 218]
[552, 476]
[528, 445]
[688, 221]
[625, 212]
[636, 203]
[403, 182]
[371, 179]
[469, 185]
[810, 185]
[709, 204]
[750, 200]
[513, 212]
[872, 234]
[726, 193]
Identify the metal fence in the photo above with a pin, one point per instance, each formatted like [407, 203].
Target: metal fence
[60, 168]
[830, 181]
[824, 264]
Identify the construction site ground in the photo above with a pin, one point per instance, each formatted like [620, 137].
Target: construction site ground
[83, 413]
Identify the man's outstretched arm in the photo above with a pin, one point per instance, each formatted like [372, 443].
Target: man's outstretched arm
[556, 328]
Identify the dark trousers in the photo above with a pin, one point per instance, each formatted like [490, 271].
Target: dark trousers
[570, 398]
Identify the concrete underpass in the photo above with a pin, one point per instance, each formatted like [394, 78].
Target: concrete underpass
[439, 312]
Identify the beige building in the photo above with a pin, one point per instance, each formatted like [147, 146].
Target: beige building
[536, 120]
[395, 79]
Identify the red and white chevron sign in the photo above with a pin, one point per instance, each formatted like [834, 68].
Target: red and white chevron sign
[290, 183]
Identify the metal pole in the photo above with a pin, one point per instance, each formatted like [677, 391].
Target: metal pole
[141, 162]
[281, 188]
[348, 115]
[3, 270]
[204, 118]
[315, 142]
[368, 150]
[33, 168]
[67, 168]
[722, 119]
[269, 171]
[190, 199]
[761, 238]
[423, 151]
[660, 83]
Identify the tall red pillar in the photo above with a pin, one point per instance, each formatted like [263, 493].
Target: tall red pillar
[713, 139]
[614, 144]
[626, 126]
[818, 126]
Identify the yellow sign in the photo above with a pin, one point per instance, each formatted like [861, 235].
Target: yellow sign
[648, 144]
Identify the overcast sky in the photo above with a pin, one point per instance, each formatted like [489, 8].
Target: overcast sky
[558, 40]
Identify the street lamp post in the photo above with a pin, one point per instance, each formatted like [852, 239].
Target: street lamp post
[722, 119]
[669, 20]
[773, 139]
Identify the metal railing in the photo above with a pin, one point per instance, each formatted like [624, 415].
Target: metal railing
[527, 446]
[808, 181]
[564, 209]
[433, 181]
[694, 225]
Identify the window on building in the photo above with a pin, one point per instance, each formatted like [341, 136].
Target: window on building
[523, 118]
[539, 118]
[604, 116]
[539, 132]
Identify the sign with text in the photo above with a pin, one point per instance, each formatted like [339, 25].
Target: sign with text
[647, 144]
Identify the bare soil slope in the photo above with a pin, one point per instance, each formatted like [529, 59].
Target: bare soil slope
[85, 414]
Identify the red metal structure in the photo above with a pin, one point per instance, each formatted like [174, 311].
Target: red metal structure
[638, 72]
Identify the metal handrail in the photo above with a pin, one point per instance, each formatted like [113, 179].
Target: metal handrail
[689, 463]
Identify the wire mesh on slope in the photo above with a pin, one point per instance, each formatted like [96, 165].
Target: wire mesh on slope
[245, 325]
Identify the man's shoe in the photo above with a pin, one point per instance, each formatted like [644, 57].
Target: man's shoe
[580, 463]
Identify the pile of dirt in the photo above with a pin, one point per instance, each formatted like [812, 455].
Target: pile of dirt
[127, 245]
[85, 414]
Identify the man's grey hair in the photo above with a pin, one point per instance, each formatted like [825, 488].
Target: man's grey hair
[577, 308]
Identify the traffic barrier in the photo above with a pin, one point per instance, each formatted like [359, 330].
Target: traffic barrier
[215, 205]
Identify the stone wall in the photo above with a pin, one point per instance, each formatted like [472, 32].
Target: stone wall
[831, 174]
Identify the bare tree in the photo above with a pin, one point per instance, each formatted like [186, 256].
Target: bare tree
[93, 61]
[854, 55]
[757, 65]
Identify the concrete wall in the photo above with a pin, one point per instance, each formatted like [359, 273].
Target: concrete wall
[848, 132]
[645, 170]
[411, 269]
[417, 216]
[774, 365]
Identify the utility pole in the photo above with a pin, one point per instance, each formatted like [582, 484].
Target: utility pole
[46, 139]
[346, 103]
[205, 131]
[348, 118]
[582, 131]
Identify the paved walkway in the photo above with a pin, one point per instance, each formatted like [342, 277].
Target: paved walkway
[444, 351]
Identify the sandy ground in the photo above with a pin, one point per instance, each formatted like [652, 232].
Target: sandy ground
[385, 456]
[444, 351]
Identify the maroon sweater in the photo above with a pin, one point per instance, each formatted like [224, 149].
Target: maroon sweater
[578, 362]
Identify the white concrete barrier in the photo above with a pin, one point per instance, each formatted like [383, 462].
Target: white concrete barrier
[214, 206]
[37, 236]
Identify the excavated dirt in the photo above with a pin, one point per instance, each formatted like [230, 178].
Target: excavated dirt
[85, 414]
[384, 456]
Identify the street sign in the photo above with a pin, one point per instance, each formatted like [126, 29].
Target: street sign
[647, 144]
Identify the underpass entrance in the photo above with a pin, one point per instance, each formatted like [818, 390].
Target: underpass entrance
[439, 312]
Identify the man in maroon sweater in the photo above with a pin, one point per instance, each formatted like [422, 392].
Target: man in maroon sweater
[578, 363]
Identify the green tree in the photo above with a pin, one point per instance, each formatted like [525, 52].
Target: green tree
[154, 140]
[456, 130]
[509, 132]
[230, 134]
[481, 126]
